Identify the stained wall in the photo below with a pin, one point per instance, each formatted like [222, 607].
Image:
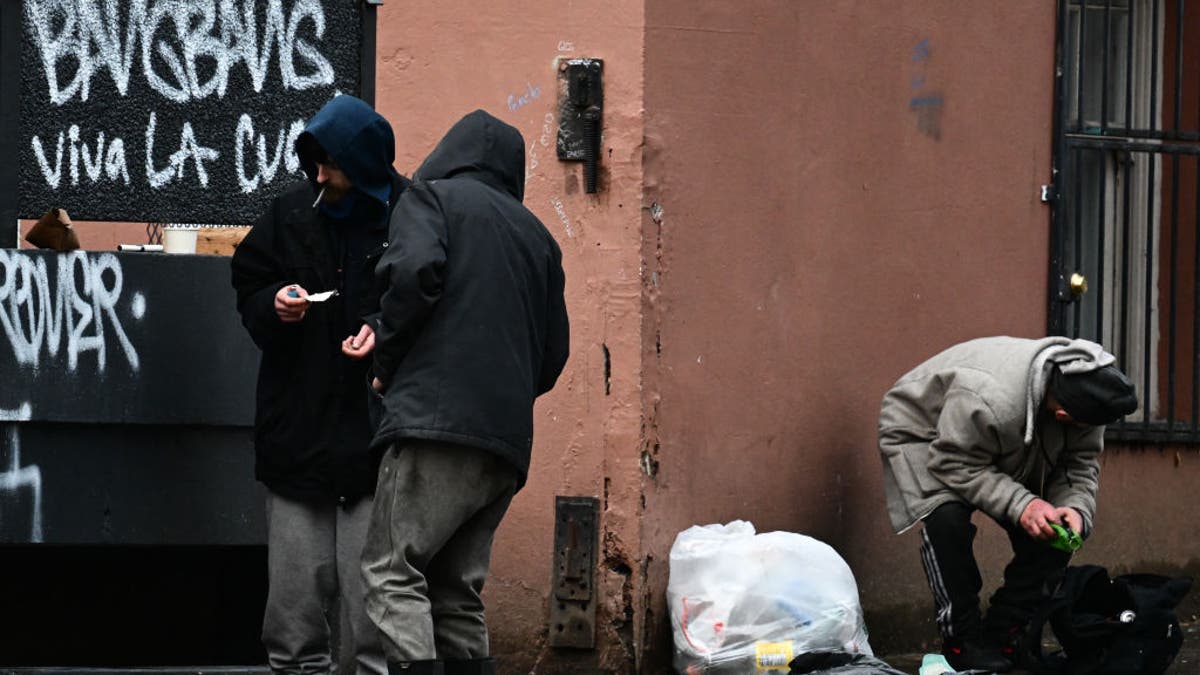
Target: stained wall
[844, 190]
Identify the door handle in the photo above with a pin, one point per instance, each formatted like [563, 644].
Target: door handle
[1078, 285]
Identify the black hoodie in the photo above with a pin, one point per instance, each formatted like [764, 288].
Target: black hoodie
[473, 323]
[311, 424]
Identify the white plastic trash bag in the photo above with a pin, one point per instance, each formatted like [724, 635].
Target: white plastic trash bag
[742, 602]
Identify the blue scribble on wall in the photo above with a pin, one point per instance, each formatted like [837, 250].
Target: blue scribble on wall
[921, 51]
[926, 104]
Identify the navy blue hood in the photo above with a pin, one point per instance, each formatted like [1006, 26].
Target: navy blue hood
[358, 139]
[479, 143]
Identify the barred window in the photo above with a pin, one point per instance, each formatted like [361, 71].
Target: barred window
[1124, 246]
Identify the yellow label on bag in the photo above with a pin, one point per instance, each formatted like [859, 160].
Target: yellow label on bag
[773, 655]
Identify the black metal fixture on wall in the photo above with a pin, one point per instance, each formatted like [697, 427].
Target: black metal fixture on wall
[573, 607]
[581, 116]
[366, 76]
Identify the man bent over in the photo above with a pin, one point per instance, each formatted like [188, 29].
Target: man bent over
[1011, 427]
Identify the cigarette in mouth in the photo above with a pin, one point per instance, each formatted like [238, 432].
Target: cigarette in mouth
[319, 195]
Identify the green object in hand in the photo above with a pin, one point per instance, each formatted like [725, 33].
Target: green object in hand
[1068, 540]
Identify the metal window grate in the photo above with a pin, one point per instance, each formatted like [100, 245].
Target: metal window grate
[1125, 249]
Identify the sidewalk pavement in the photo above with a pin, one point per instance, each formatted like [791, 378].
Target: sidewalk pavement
[1186, 663]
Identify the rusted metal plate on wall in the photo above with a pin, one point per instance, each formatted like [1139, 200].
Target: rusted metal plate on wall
[573, 607]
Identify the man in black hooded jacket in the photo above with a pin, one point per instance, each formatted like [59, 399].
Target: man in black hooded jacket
[311, 426]
[473, 328]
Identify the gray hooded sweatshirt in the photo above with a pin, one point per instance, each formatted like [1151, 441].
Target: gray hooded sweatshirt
[969, 425]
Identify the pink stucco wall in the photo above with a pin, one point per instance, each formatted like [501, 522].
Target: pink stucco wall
[438, 61]
[846, 189]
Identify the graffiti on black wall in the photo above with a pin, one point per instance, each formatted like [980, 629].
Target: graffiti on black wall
[135, 365]
[51, 314]
[20, 486]
[102, 337]
[174, 110]
[54, 309]
[145, 351]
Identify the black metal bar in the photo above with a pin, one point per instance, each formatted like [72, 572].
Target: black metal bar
[1081, 62]
[366, 72]
[1075, 141]
[1129, 66]
[1195, 354]
[1098, 294]
[1151, 433]
[1077, 230]
[1127, 169]
[1173, 307]
[1173, 304]
[10, 111]
[1178, 63]
[1148, 290]
[1195, 282]
[1104, 64]
[1055, 310]
[1154, 66]
[1077, 160]
[1180, 136]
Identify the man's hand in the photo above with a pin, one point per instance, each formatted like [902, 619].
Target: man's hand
[1074, 520]
[291, 309]
[1036, 519]
[377, 385]
[358, 346]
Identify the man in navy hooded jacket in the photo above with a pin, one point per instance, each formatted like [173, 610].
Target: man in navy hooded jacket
[312, 426]
[473, 328]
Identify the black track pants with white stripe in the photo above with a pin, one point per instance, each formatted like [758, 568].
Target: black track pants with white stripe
[948, 557]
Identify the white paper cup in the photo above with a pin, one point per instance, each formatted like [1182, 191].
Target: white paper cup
[179, 239]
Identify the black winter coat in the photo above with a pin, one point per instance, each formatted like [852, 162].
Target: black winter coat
[473, 324]
[311, 425]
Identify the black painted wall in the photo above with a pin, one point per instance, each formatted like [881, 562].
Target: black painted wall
[10, 78]
[105, 337]
[127, 492]
[119, 607]
[128, 400]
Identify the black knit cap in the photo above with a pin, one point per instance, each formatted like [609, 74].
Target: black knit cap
[1097, 397]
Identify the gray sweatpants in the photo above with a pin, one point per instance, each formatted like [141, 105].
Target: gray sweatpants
[437, 507]
[314, 557]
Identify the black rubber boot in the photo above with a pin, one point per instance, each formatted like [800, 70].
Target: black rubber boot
[471, 666]
[972, 655]
[416, 668]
